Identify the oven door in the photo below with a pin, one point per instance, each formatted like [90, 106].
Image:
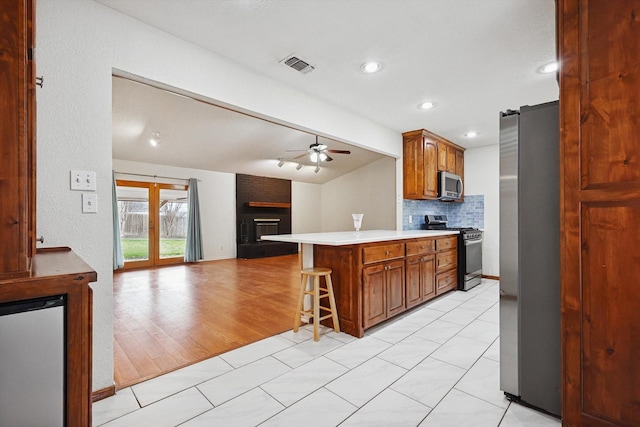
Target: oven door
[473, 252]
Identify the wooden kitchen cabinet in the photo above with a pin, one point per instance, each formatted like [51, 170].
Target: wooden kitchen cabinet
[383, 282]
[59, 272]
[373, 282]
[17, 138]
[420, 171]
[424, 155]
[598, 46]
[446, 264]
[420, 279]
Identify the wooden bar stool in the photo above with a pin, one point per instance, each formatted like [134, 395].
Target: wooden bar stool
[314, 311]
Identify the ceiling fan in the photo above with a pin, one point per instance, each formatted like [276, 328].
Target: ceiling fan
[320, 153]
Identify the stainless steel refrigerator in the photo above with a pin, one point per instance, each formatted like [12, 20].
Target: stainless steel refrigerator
[530, 256]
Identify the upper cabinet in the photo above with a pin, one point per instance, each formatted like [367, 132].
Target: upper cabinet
[425, 154]
[17, 138]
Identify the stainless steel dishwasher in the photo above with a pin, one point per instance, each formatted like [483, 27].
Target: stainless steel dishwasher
[32, 371]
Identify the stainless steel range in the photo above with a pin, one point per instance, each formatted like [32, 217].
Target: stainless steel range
[469, 250]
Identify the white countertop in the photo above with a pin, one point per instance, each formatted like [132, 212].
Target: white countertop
[340, 238]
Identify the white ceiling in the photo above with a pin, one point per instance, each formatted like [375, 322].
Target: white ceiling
[474, 58]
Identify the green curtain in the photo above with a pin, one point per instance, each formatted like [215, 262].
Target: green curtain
[193, 251]
[118, 258]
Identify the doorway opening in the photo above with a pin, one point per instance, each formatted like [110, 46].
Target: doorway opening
[153, 222]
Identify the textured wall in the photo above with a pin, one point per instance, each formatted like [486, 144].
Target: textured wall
[369, 190]
[80, 44]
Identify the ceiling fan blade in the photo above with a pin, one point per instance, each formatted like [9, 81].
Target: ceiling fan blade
[339, 151]
[291, 151]
[300, 156]
[329, 158]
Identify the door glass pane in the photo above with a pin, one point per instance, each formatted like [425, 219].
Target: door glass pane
[133, 210]
[173, 222]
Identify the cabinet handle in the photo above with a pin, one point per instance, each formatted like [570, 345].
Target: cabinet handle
[387, 253]
[40, 239]
[40, 81]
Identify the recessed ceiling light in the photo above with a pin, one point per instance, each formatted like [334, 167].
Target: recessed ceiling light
[551, 67]
[371, 67]
[471, 134]
[426, 105]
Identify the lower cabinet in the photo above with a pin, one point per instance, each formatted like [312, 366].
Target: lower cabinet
[373, 282]
[384, 295]
[420, 279]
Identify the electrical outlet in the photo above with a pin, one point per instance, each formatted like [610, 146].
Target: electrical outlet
[89, 203]
[83, 180]
[410, 219]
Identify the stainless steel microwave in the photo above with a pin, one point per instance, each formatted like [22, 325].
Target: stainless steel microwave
[449, 186]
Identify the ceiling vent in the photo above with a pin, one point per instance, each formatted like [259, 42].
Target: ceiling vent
[294, 61]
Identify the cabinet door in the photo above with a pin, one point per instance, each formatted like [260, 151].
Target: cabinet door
[16, 136]
[413, 166]
[459, 163]
[598, 47]
[451, 159]
[395, 287]
[428, 277]
[430, 184]
[375, 301]
[413, 281]
[442, 156]
[460, 169]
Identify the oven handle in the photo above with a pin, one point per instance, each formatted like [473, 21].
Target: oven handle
[472, 242]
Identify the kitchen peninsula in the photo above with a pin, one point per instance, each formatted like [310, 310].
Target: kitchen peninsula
[378, 274]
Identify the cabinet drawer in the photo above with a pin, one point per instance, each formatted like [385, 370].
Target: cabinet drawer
[446, 243]
[446, 260]
[382, 252]
[421, 247]
[446, 281]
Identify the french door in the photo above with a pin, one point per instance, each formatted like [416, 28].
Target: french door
[153, 222]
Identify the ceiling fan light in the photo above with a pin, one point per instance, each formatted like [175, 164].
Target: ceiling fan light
[313, 157]
[322, 157]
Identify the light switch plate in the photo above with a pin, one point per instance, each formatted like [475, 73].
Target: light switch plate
[89, 203]
[83, 180]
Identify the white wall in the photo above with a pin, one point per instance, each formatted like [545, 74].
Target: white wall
[217, 194]
[80, 44]
[482, 176]
[369, 190]
[306, 204]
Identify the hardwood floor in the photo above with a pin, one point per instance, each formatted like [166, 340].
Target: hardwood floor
[169, 317]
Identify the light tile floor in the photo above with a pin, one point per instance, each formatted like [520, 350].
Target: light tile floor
[436, 365]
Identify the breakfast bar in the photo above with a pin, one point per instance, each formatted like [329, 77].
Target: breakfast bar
[378, 274]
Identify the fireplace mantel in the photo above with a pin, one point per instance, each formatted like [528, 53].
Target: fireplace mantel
[269, 205]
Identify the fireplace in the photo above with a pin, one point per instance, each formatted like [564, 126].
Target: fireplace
[265, 227]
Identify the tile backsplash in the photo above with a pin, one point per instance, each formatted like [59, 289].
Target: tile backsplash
[470, 213]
